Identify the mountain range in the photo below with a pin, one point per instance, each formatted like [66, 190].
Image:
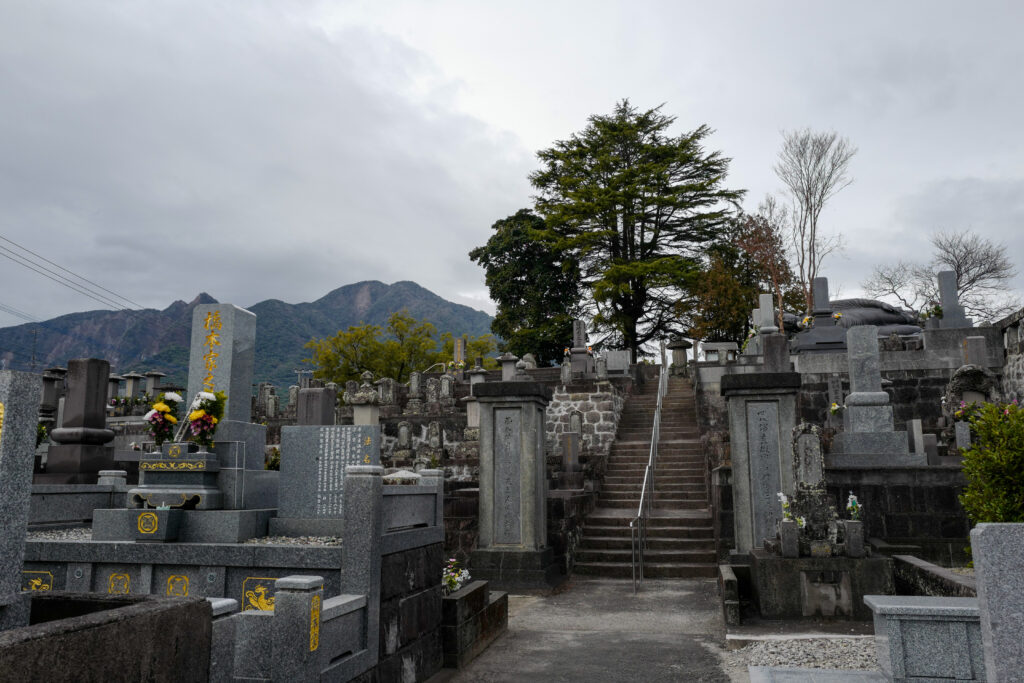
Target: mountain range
[148, 339]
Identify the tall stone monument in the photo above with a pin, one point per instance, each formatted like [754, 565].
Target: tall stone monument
[952, 312]
[868, 438]
[19, 411]
[223, 351]
[762, 415]
[512, 549]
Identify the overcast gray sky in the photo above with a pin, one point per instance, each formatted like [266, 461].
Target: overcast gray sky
[260, 150]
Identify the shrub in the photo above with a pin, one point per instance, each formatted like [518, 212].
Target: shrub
[994, 465]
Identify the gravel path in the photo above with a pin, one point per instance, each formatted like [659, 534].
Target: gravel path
[831, 653]
[297, 540]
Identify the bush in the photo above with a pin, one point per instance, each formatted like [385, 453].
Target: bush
[994, 465]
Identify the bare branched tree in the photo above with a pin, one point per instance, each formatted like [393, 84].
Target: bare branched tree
[813, 166]
[983, 273]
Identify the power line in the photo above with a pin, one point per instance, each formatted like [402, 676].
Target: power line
[65, 282]
[43, 258]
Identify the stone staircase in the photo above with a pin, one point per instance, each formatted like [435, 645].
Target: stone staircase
[680, 532]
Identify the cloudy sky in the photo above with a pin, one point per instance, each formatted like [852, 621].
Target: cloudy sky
[260, 150]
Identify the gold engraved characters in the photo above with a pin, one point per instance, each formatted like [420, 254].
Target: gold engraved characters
[119, 584]
[177, 585]
[258, 596]
[212, 323]
[314, 623]
[148, 523]
[1, 422]
[366, 443]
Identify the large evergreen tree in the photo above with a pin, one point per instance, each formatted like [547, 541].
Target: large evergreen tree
[634, 206]
[534, 284]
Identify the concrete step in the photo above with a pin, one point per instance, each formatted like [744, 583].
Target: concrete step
[667, 533]
[650, 556]
[622, 542]
[670, 505]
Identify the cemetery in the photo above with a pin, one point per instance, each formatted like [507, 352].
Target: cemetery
[814, 475]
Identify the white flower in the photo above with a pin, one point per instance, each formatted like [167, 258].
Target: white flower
[149, 414]
[172, 396]
[801, 522]
[206, 396]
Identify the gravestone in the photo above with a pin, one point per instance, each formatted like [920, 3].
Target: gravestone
[868, 438]
[762, 417]
[433, 391]
[446, 390]
[579, 353]
[916, 429]
[807, 460]
[387, 391]
[132, 384]
[824, 334]
[460, 350]
[952, 312]
[113, 389]
[766, 306]
[312, 480]
[508, 366]
[80, 449]
[680, 361]
[316, 407]
[414, 403]
[601, 364]
[576, 422]
[222, 355]
[570, 451]
[19, 410]
[962, 431]
[998, 551]
[975, 351]
[365, 410]
[565, 372]
[835, 395]
[153, 378]
[512, 548]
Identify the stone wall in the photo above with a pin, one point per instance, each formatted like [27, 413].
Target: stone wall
[410, 616]
[1013, 375]
[599, 403]
[461, 520]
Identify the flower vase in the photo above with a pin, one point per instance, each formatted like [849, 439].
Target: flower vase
[789, 537]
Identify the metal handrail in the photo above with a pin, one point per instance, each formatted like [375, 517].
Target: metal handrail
[638, 525]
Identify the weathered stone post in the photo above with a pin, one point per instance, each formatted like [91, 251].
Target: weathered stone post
[80, 451]
[298, 603]
[19, 410]
[316, 406]
[762, 415]
[512, 546]
[360, 561]
[364, 403]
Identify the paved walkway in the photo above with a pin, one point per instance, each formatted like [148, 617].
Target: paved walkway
[596, 630]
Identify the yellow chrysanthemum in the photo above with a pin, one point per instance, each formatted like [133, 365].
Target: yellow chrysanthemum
[214, 420]
[170, 418]
[161, 407]
[196, 414]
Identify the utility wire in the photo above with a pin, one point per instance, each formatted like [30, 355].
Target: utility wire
[43, 258]
[67, 283]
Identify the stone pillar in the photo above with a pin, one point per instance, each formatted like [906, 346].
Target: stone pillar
[295, 641]
[153, 378]
[19, 413]
[222, 356]
[679, 359]
[999, 564]
[952, 312]
[113, 386]
[360, 561]
[512, 545]
[477, 375]
[316, 406]
[508, 367]
[762, 415]
[768, 323]
[868, 437]
[79, 451]
[132, 384]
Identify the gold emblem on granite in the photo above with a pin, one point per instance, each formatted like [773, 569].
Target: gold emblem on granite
[37, 581]
[167, 466]
[257, 593]
[148, 523]
[177, 585]
[174, 451]
[118, 584]
[314, 623]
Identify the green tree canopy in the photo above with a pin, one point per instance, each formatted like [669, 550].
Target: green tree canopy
[634, 206]
[535, 285]
[403, 346]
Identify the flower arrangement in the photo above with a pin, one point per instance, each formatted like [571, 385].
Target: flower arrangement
[808, 321]
[206, 411]
[565, 351]
[453, 578]
[835, 408]
[933, 311]
[162, 417]
[590, 350]
[786, 513]
[853, 507]
[801, 522]
[967, 411]
[837, 316]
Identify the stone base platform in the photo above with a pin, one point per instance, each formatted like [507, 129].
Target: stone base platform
[831, 587]
[874, 460]
[197, 526]
[511, 570]
[301, 526]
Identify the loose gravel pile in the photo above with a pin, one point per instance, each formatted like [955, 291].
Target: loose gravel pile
[296, 540]
[832, 653]
[77, 534]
